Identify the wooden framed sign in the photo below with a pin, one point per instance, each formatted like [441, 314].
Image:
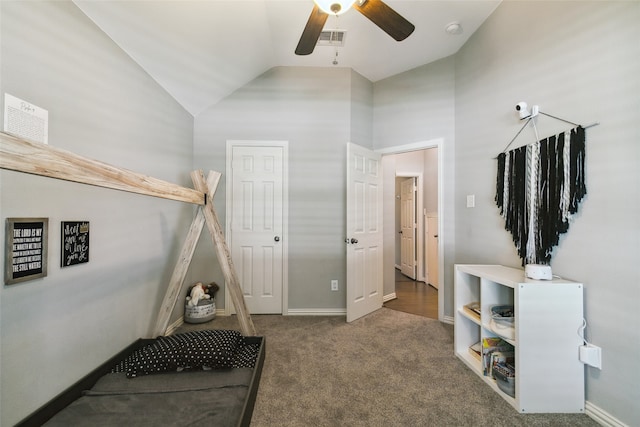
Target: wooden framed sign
[75, 243]
[25, 249]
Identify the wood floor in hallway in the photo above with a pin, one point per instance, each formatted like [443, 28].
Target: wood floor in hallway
[414, 297]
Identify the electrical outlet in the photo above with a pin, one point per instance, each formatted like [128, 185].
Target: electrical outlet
[334, 285]
[471, 201]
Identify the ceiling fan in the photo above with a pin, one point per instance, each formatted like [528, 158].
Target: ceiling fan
[377, 11]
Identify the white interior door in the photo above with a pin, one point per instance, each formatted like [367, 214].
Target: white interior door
[364, 231]
[408, 228]
[257, 200]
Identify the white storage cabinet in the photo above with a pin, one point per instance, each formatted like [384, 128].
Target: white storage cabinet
[547, 317]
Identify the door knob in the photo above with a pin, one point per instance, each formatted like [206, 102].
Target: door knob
[277, 238]
[354, 240]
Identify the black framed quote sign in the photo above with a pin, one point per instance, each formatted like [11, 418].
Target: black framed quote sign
[75, 243]
[25, 249]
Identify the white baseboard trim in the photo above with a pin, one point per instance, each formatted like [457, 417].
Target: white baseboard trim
[180, 321]
[174, 326]
[389, 297]
[317, 312]
[223, 312]
[447, 319]
[602, 417]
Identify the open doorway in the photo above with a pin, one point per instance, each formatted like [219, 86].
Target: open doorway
[414, 297]
[416, 166]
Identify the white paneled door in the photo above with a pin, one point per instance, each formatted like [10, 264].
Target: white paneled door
[257, 224]
[364, 231]
[408, 228]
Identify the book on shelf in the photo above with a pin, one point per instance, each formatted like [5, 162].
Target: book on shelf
[476, 351]
[473, 309]
[504, 371]
[501, 358]
[492, 345]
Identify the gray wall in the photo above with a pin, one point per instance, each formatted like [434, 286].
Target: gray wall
[579, 61]
[318, 110]
[361, 120]
[103, 106]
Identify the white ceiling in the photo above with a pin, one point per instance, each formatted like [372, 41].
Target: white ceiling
[202, 50]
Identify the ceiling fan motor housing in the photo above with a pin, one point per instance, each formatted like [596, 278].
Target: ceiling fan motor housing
[336, 7]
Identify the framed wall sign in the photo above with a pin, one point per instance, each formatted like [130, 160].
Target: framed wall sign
[75, 243]
[25, 249]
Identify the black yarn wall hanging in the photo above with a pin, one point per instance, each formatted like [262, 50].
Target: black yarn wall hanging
[538, 189]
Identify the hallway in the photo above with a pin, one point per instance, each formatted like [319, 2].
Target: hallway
[414, 297]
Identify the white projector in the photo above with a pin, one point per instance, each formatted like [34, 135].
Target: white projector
[538, 272]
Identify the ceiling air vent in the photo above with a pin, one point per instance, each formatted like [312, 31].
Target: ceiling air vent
[332, 38]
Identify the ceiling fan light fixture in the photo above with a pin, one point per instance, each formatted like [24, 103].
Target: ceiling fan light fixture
[334, 7]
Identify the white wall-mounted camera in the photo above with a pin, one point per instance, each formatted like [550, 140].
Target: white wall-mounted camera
[523, 110]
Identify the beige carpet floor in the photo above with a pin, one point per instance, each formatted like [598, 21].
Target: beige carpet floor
[387, 369]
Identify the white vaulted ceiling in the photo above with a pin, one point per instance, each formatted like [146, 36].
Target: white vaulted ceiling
[202, 50]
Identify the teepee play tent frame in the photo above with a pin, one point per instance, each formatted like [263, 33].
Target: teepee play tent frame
[35, 158]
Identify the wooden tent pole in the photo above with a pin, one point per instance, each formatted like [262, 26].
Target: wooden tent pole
[39, 159]
[182, 266]
[224, 256]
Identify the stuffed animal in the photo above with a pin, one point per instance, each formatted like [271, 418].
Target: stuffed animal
[212, 289]
[197, 293]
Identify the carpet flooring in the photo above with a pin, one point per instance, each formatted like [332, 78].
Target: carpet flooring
[389, 368]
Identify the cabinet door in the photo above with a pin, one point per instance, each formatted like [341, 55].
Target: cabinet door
[550, 375]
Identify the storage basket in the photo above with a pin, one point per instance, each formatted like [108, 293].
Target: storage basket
[502, 321]
[201, 313]
[505, 379]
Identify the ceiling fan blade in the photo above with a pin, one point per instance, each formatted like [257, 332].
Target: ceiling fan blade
[311, 31]
[390, 21]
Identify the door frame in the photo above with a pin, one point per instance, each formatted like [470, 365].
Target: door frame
[418, 146]
[231, 143]
[419, 211]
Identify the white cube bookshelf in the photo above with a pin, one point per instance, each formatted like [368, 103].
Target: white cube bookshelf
[548, 315]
